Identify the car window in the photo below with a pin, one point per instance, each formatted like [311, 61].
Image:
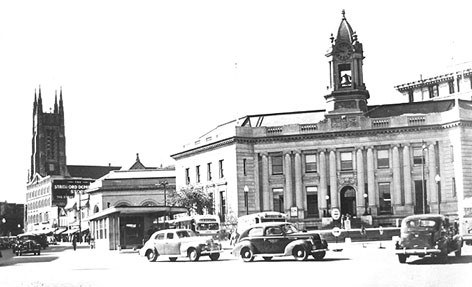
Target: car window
[256, 231]
[160, 236]
[170, 235]
[420, 224]
[182, 234]
[274, 230]
[290, 228]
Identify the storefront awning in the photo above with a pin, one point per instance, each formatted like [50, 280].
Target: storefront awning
[71, 231]
[135, 210]
[60, 230]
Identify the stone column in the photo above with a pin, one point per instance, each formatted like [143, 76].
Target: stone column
[371, 180]
[299, 192]
[333, 179]
[407, 176]
[360, 182]
[323, 182]
[432, 186]
[266, 206]
[288, 196]
[397, 184]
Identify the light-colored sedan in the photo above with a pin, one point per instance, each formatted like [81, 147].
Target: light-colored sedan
[175, 243]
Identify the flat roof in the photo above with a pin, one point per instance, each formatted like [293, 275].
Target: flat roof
[125, 210]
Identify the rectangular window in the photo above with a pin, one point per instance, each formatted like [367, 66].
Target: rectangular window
[454, 191]
[346, 161]
[312, 201]
[385, 202]
[197, 173]
[187, 175]
[383, 159]
[418, 157]
[277, 164]
[452, 153]
[433, 91]
[244, 166]
[209, 177]
[451, 87]
[220, 168]
[310, 163]
[411, 98]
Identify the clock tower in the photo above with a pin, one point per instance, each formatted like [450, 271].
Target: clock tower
[348, 92]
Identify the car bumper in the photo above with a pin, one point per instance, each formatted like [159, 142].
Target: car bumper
[418, 251]
[313, 251]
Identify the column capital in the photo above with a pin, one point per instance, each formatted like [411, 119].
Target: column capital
[287, 152]
[264, 154]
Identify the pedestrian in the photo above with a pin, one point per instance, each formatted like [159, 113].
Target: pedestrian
[74, 241]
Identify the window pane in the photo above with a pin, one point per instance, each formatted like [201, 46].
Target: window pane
[346, 161]
[382, 159]
[310, 163]
[277, 165]
[385, 202]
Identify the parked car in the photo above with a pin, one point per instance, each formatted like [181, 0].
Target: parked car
[27, 246]
[428, 234]
[175, 243]
[40, 239]
[272, 239]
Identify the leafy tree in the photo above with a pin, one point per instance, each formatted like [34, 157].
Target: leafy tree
[196, 200]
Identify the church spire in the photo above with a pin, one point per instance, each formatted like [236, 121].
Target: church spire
[55, 103]
[61, 104]
[35, 104]
[40, 102]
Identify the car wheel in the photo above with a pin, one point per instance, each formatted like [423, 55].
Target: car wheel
[247, 255]
[151, 255]
[443, 256]
[402, 258]
[214, 256]
[458, 252]
[319, 255]
[193, 254]
[173, 259]
[267, 258]
[300, 253]
[39, 252]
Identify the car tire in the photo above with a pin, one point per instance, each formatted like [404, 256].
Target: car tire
[402, 258]
[151, 255]
[173, 259]
[39, 252]
[267, 258]
[214, 256]
[247, 255]
[458, 252]
[319, 255]
[193, 254]
[442, 257]
[300, 253]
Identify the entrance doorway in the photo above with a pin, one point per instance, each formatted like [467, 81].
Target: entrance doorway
[420, 200]
[348, 200]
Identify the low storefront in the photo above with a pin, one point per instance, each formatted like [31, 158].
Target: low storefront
[127, 227]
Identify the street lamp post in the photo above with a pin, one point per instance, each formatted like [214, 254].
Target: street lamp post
[437, 178]
[327, 205]
[164, 184]
[3, 225]
[365, 204]
[246, 200]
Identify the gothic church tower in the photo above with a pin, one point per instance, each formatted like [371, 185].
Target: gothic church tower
[49, 142]
[349, 94]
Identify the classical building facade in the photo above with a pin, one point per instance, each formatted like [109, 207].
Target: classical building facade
[379, 162]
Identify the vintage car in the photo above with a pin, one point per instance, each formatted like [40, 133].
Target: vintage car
[428, 234]
[175, 243]
[27, 246]
[273, 239]
[39, 238]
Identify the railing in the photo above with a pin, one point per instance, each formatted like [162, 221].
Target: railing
[416, 121]
[381, 123]
[274, 130]
[308, 128]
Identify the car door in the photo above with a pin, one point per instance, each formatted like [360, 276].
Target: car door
[256, 237]
[159, 243]
[172, 246]
[275, 239]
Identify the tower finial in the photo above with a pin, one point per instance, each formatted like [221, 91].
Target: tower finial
[344, 14]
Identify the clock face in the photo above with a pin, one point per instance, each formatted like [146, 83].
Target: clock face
[343, 51]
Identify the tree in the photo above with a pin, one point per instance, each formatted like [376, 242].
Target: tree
[196, 200]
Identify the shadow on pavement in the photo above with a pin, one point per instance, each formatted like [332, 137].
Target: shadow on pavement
[450, 260]
[28, 258]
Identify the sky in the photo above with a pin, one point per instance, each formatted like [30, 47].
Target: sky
[148, 77]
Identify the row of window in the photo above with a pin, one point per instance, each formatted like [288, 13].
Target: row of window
[38, 218]
[433, 89]
[209, 172]
[37, 192]
[39, 204]
[100, 228]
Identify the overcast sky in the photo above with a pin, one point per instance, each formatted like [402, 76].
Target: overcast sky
[149, 76]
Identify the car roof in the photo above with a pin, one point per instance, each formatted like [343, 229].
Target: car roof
[425, 216]
[172, 230]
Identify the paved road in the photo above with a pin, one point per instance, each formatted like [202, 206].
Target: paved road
[353, 266]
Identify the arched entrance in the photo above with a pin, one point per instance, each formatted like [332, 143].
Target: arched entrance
[348, 200]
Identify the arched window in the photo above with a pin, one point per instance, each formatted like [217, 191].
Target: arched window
[96, 209]
[149, 203]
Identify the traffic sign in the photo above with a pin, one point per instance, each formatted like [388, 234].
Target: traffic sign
[336, 231]
[335, 213]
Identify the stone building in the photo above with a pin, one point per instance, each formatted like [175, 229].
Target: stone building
[51, 181]
[378, 162]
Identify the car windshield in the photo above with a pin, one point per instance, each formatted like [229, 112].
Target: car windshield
[207, 226]
[419, 225]
[289, 228]
[185, 233]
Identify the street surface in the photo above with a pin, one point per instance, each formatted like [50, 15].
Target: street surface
[355, 265]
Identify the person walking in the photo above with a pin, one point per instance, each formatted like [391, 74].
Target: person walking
[74, 241]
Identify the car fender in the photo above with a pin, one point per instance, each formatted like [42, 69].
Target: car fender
[299, 242]
[185, 246]
[240, 245]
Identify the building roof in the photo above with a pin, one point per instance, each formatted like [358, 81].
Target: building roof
[89, 171]
[345, 31]
[426, 107]
[279, 119]
[157, 210]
